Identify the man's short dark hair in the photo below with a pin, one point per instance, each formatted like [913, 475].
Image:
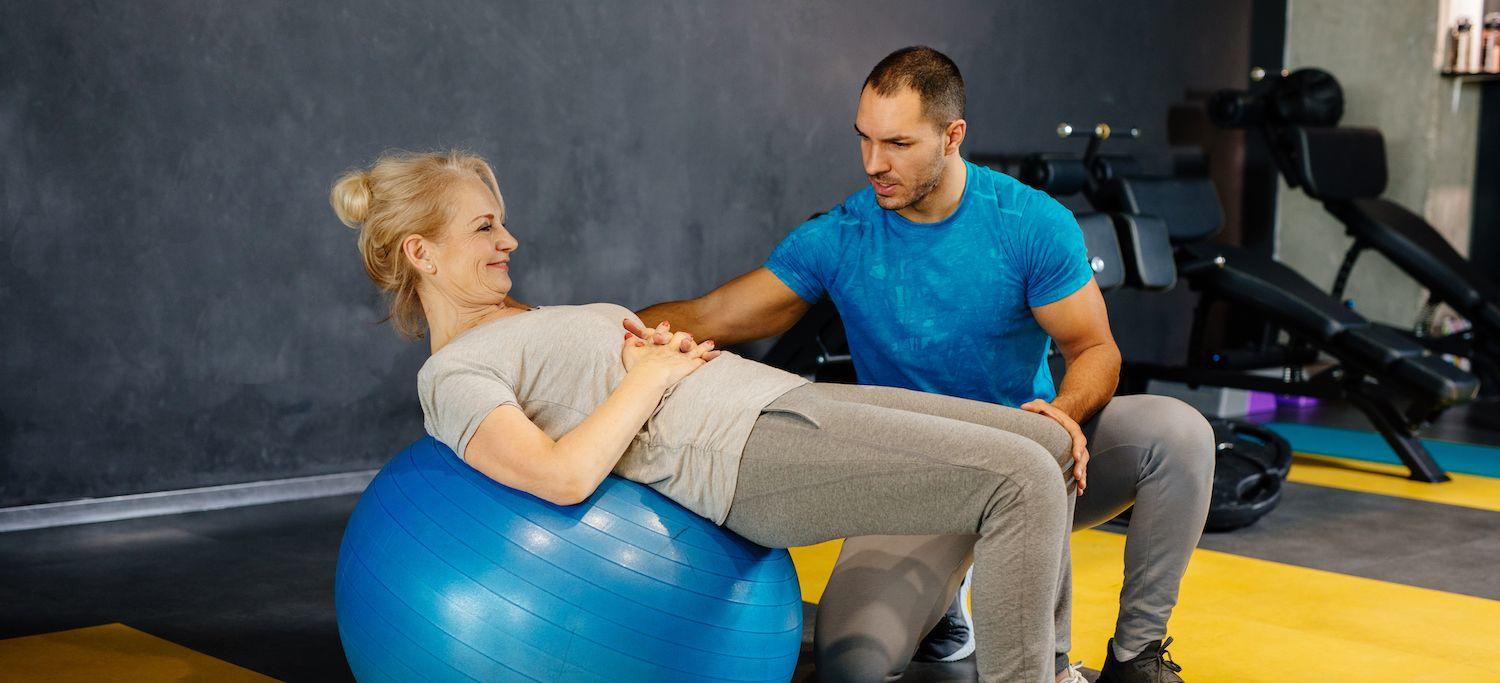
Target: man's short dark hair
[927, 71]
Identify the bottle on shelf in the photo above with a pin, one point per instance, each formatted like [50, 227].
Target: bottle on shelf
[1460, 44]
[1489, 52]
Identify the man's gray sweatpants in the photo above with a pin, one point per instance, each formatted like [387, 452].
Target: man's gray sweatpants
[827, 461]
[1157, 453]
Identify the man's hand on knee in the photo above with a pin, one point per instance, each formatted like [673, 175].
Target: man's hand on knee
[1080, 442]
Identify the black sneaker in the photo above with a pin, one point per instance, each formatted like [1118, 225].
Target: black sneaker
[952, 638]
[1153, 665]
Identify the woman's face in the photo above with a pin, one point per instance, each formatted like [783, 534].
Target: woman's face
[470, 262]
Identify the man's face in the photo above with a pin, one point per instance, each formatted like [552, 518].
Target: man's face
[902, 149]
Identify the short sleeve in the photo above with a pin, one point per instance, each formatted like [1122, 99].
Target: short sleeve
[807, 259]
[1056, 261]
[456, 396]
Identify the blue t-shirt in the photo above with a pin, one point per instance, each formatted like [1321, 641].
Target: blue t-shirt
[944, 307]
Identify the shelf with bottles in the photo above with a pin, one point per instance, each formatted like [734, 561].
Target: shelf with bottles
[1467, 52]
[1482, 76]
[1467, 49]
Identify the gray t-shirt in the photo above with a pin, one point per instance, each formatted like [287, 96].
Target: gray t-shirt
[558, 363]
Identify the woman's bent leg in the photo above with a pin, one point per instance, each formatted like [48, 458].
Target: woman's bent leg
[817, 468]
[875, 610]
[883, 594]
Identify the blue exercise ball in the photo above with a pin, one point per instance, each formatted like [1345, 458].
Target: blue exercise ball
[445, 574]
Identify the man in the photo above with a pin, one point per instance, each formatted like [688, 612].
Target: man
[952, 278]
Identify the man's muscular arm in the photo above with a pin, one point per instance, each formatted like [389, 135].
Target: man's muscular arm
[1079, 324]
[752, 306]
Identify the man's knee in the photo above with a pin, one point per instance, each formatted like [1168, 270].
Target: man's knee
[1177, 434]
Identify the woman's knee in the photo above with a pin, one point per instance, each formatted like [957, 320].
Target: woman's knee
[1043, 431]
[1057, 441]
[857, 658]
[1026, 470]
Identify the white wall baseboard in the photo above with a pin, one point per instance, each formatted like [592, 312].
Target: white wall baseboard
[90, 510]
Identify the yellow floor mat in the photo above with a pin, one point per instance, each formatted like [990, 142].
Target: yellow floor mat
[1244, 620]
[1465, 490]
[112, 652]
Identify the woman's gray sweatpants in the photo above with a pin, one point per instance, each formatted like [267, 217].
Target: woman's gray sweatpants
[886, 592]
[828, 461]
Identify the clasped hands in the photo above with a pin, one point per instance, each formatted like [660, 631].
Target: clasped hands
[672, 355]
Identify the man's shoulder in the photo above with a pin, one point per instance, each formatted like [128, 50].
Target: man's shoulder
[845, 218]
[857, 209]
[1009, 196]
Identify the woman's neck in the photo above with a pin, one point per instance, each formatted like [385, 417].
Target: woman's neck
[446, 321]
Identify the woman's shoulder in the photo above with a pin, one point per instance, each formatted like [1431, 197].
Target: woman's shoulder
[483, 341]
[448, 359]
[571, 309]
[477, 348]
[453, 367]
[613, 312]
[606, 307]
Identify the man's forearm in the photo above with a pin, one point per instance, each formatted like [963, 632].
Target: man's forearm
[683, 316]
[1089, 382]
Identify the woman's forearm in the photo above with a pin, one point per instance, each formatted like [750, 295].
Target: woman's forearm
[591, 450]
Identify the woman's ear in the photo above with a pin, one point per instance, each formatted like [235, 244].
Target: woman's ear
[414, 248]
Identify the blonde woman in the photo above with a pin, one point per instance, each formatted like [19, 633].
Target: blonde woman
[551, 400]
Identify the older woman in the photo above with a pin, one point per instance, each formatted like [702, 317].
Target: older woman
[551, 400]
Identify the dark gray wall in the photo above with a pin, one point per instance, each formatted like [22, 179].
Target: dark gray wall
[1484, 241]
[181, 308]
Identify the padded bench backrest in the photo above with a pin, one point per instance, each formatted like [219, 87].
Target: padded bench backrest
[1147, 249]
[1337, 163]
[1103, 249]
[1189, 205]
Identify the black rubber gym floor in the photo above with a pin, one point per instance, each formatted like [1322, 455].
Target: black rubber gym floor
[251, 586]
[254, 586]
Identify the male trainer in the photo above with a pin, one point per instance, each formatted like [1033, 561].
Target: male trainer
[954, 279]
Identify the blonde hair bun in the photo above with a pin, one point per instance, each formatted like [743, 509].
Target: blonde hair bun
[351, 197]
